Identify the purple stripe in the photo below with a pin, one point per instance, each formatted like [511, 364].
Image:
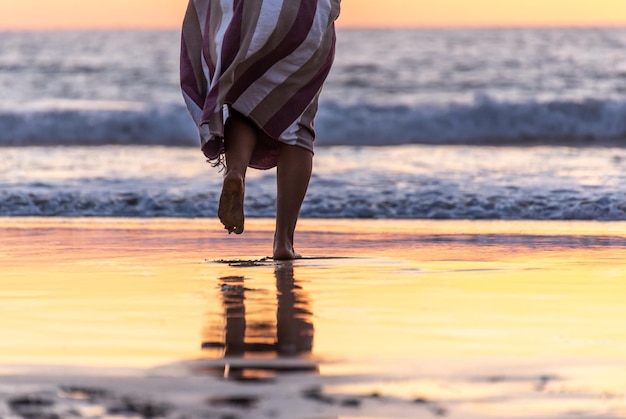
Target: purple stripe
[210, 104]
[206, 44]
[294, 107]
[188, 81]
[292, 40]
[232, 37]
[213, 149]
[230, 48]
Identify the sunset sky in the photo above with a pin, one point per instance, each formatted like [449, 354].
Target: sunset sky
[60, 14]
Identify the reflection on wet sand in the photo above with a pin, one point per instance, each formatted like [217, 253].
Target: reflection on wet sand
[257, 331]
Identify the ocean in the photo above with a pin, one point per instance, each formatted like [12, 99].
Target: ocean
[435, 124]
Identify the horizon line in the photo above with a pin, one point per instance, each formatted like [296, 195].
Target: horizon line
[519, 25]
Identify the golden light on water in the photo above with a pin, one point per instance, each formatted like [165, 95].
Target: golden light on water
[141, 293]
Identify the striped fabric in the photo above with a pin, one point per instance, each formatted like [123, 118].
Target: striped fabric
[266, 59]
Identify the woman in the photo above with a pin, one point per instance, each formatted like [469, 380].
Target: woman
[251, 74]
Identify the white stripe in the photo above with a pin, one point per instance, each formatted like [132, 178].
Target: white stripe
[290, 136]
[268, 20]
[194, 110]
[202, 10]
[282, 70]
[196, 115]
[227, 17]
[205, 133]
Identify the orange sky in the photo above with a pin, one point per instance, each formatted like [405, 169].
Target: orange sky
[54, 14]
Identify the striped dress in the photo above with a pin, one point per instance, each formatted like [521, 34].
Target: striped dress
[266, 59]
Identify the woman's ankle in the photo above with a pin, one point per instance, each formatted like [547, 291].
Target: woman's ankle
[283, 250]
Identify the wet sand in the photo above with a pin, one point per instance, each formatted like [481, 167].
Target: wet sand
[384, 319]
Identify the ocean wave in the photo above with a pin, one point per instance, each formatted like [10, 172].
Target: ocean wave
[483, 121]
[79, 122]
[424, 205]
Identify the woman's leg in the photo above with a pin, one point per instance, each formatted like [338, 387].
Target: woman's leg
[293, 174]
[240, 139]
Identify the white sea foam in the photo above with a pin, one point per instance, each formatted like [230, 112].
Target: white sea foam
[412, 181]
[484, 121]
[388, 87]
[81, 122]
[556, 89]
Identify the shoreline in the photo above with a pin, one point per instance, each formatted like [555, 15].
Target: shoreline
[386, 318]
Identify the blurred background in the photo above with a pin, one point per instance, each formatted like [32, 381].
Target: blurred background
[453, 109]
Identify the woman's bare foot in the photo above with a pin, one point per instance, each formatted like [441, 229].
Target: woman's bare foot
[284, 251]
[230, 211]
[286, 255]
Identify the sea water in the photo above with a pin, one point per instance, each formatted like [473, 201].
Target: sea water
[445, 123]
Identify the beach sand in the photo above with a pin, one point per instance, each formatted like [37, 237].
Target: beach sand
[383, 319]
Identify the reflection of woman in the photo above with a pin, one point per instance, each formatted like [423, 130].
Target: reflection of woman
[262, 63]
[294, 330]
[249, 325]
